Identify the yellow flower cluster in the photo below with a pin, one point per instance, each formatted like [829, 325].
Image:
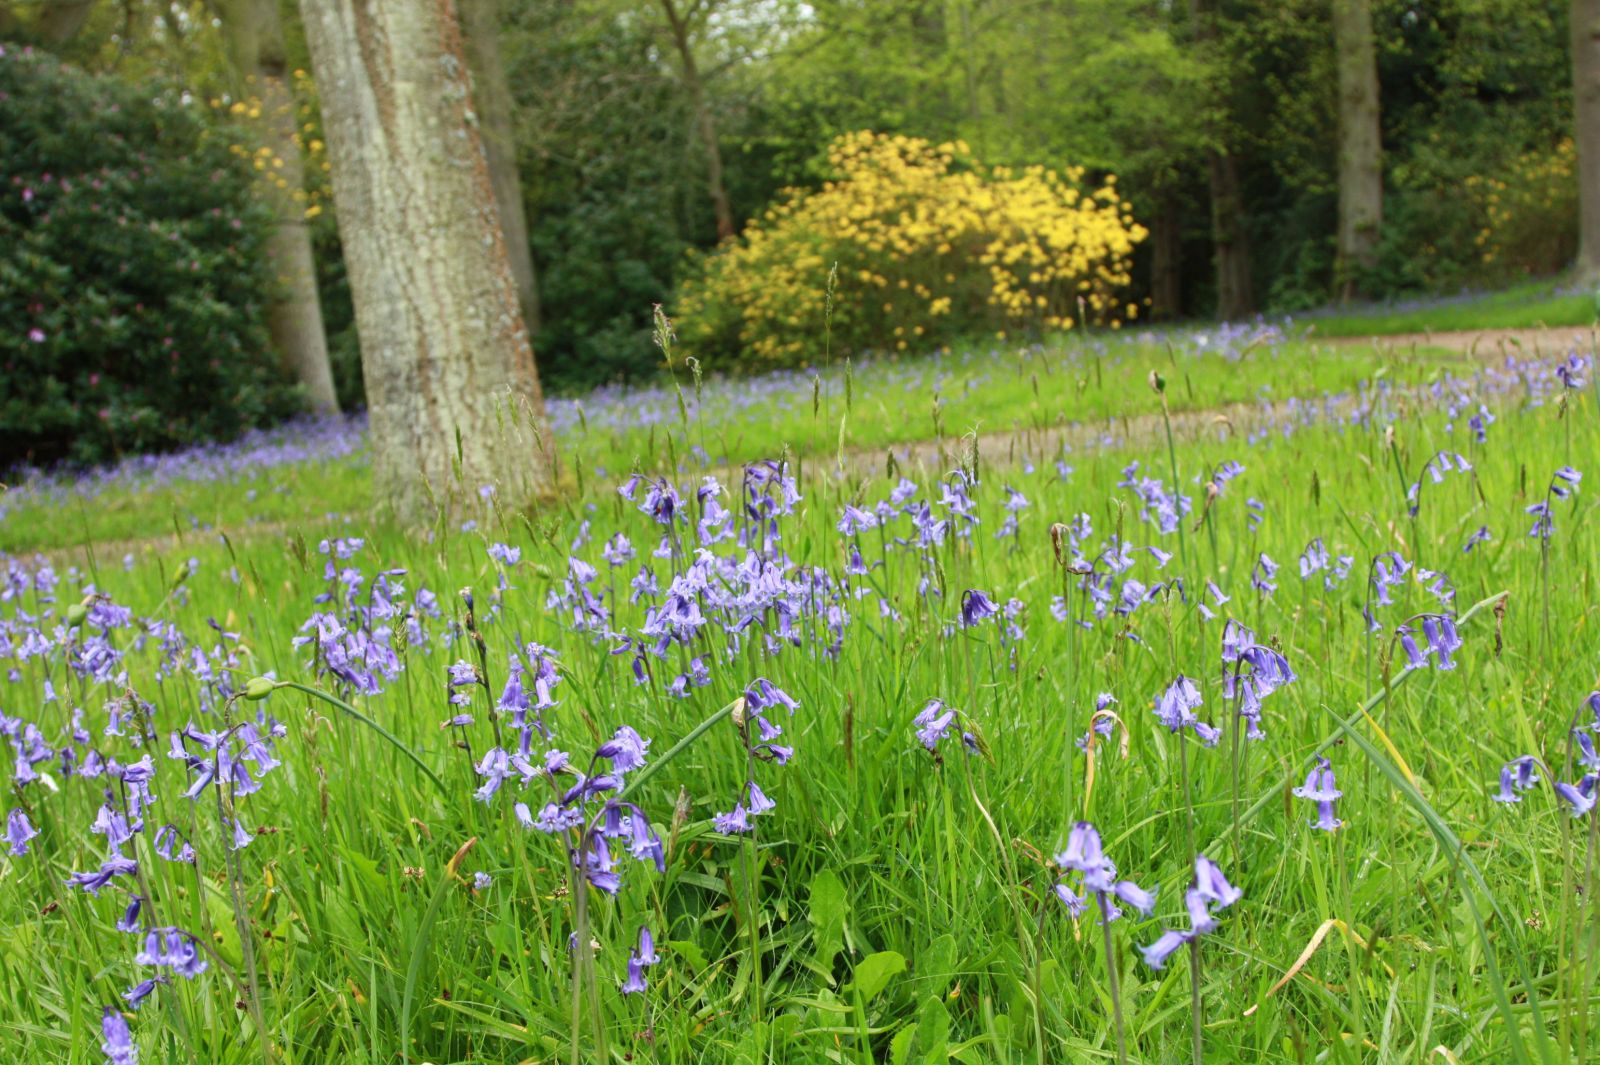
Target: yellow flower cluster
[307, 137]
[929, 244]
[1530, 213]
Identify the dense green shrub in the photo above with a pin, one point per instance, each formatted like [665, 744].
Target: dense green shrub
[132, 273]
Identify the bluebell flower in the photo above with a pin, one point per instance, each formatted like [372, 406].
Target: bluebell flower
[975, 606]
[1579, 797]
[1175, 708]
[114, 866]
[1321, 788]
[933, 723]
[136, 994]
[1168, 943]
[1517, 775]
[19, 830]
[1209, 893]
[118, 1045]
[481, 881]
[1483, 535]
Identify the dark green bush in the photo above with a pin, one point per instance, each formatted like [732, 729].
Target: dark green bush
[132, 275]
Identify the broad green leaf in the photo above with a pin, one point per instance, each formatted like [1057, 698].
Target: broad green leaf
[875, 972]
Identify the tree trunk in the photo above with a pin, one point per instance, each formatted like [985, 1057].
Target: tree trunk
[60, 21]
[692, 81]
[1360, 144]
[480, 28]
[1230, 246]
[451, 385]
[1166, 264]
[294, 316]
[1586, 129]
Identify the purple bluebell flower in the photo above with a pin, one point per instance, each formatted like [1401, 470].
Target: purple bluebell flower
[733, 822]
[114, 866]
[505, 554]
[932, 723]
[1517, 775]
[626, 749]
[1175, 708]
[1482, 536]
[1168, 943]
[19, 830]
[481, 881]
[136, 994]
[1209, 893]
[1579, 797]
[1264, 574]
[129, 921]
[635, 984]
[1321, 788]
[117, 1045]
[975, 606]
[1085, 854]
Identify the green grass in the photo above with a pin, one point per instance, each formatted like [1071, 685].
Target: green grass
[882, 405]
[1532, 305]
[894, 906]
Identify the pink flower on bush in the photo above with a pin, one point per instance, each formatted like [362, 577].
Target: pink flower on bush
[36, 335]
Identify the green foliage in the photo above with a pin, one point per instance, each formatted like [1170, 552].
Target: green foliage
[132, 272]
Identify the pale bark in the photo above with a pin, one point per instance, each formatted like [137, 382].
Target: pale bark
[1360, 142]
[678, 26]
[451, 386]
[1585, 31]
[480, 28]
[294, 316]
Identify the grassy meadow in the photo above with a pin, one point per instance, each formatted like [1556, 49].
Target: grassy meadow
[488, 754]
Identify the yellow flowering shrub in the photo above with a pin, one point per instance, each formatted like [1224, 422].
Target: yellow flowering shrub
[1530, 213]
[928, 244]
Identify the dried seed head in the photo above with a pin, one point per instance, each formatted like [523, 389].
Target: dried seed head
[1058, 538]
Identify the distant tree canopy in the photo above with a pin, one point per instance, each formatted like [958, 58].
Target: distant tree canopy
[1219, 118]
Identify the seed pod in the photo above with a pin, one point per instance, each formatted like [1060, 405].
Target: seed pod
[258, 688]
[77, 613]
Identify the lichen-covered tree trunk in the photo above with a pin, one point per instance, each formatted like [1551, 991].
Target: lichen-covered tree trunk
[294, 316]
[1360, 144]
[1585, 31]
[451, 386]
[480, 27]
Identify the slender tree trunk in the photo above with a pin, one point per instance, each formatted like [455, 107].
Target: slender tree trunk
[60, 20]
[1586, 129]
[692, 81]
[1166, 265]
[1360, 143]
[294, 317]
[1231, 246]
[451, 385]
[480, 28]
